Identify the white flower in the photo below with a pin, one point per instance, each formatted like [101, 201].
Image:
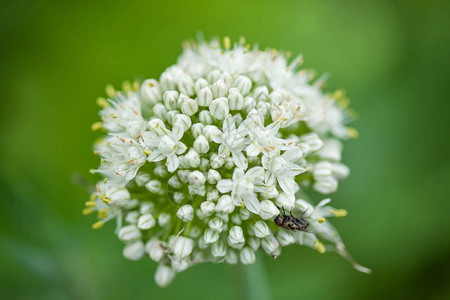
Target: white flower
[232, 141]
[282, 168]
[198, 163]
[242, 187]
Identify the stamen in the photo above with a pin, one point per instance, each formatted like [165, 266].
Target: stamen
[339, 212]
[97, 225]
[319, 246]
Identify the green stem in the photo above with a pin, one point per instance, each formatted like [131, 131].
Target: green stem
[255, 279]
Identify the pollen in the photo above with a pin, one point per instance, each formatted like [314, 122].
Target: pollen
[102, 102]
[352, 133]
[321, 220]
[91, 203]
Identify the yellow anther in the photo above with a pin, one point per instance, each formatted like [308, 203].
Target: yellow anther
[102, 102]
[110, 91]
[319, 246]
[105, 199]
[343, 102]
[352, 133]
[92, 171]
[87, 211]
[93, 197]
[242, 40]
[339, 212]
[135, 86]
[91, 203]
[226, 42]
[97, 126]
[126, 86]
[102, 161]
[147, 152]
[321, 220]
[102, 213]
[338, 94]
[97, 225]
[105, 180]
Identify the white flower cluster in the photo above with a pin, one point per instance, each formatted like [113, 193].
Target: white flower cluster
[196, 165]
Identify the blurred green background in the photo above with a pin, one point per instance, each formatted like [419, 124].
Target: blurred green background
[392, 57]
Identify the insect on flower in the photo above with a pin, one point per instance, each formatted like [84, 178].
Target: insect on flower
[292, 223]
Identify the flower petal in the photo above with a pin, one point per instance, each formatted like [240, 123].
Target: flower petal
[251, 203]
[239, 160]
[287, 184]
[172, 163]
[224, 185]
[156, 155]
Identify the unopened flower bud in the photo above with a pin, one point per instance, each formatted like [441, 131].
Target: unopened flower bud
[213, 76]
[268, 210]
[207, 207]
[182, 121]
[270, 244]
[261, 229]
[142, 178]
[185, 213]
[219, 249]
[322, 169]
[188, 106]
[211, 236]
[132, 217]
[146, 222]
[199, 85]
[205, 117]
[247, 256]
[231, 257]
[178, 197]
[313, 141]
[150, 91]
[219, 89]
[326, 185]
[182, 246]
[160, 171]
[164, 275]
[249, 104]
[213, 176]
[285, 238]
[244, 84]
[153, 186]
[261, 93]
[276, 98]
[235, 99]
[164, 219]
[236, 236]
[213, 195]
[201, 144]
[186, 85]
[204, 97]
[147, 207]
[193, 158]
[134, 250]
[154, 250]
[227, 79]
[196, 178]
[170, 100]
[219, 108]
[254, 243]
[197, 129]
[216, 224]
[129, 233]
[340, 171]
[160, 111]
[175, 182]
[225, 204]
[285, 201]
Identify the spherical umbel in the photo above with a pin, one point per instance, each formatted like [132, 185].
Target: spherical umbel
[213, 160]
